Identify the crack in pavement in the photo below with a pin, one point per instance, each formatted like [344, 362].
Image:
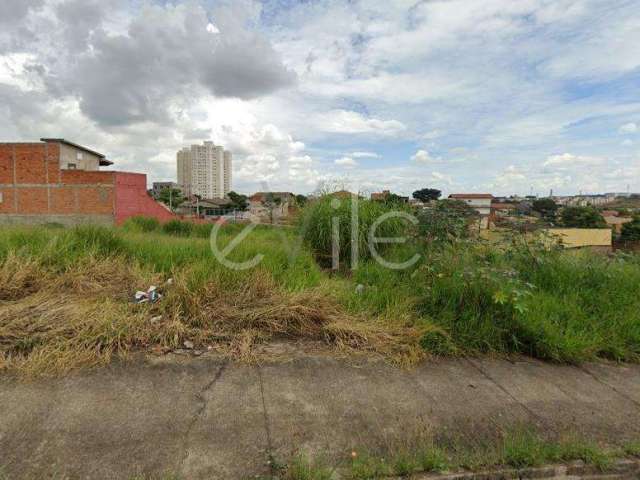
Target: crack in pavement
[201, 397]
[265, 416]
[602, 382]
[540, 420]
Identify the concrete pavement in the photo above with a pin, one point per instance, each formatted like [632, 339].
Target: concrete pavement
[207, 418]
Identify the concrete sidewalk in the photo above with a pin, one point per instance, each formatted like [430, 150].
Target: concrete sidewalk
[206, 418]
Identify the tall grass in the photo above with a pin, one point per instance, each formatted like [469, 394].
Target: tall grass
[65, 298]
[74, 286]
[319, 219]
[549, 304]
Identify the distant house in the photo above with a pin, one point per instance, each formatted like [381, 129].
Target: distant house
[616, 222]
[585, 200]
[480, 202]
[270, 207]
[206, 208]
[504, 209]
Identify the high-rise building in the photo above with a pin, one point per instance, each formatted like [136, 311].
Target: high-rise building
[204, 170]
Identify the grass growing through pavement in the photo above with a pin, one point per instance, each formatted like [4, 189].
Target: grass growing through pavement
[520, 448]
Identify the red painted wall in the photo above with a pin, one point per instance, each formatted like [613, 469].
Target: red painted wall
[132, 199]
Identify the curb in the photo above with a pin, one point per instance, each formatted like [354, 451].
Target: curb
[619, 470]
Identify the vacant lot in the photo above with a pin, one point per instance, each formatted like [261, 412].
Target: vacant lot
[66, 295]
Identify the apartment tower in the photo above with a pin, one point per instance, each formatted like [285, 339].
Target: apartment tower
[204, 170]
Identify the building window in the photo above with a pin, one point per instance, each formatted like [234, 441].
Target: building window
[79, 156]
[71, 166]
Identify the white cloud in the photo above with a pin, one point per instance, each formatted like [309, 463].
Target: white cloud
[422, 156]
[627, 143]
[345, 121]
[567, 160]
[628, 128]
[364, 155]
[346, 162]
[431, 135]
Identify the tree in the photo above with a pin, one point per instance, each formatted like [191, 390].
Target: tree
[393, 199]
[546, 207]
[447, 219]
[582, 217]
[426, 195]
[172, 197]
[631, 231]
[238, 201]
[301, 200]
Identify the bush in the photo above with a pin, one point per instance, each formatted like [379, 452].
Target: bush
[631, 231]
[446, 220]
[582, 217]
[554, 305]
[316, 223]
[178, 228]
[103, 241]
[140, 224]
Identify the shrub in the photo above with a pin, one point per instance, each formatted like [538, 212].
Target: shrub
[141, 224]
[178, 228]
[317, 220]
[631, 230]
[446, 220]
[103, 241]
[582, 217]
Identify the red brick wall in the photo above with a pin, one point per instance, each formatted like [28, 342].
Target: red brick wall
[6, 164]
[132, 199]
[41, 188]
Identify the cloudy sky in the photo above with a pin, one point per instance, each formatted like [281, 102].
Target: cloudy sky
[504, 96]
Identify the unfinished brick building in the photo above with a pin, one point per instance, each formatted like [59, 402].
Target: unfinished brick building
[56, 181]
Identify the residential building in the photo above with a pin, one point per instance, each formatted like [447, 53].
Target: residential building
[204, 170]
[206, 208]
[480, 202]
[504, 209]
[270, 207]
[57, 181]
[616, 222]
[585, 200]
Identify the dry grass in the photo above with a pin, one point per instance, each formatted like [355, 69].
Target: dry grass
[53, 321]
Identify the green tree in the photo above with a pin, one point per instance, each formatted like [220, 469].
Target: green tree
[301, 200]
[546, 207]
[582, 217]
[427, 194]
[238, 201]
[631, 231]
[447, 219]
[393, 199]
[172, 197]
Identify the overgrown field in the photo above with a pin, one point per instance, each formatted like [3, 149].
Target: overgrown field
[66, 294]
